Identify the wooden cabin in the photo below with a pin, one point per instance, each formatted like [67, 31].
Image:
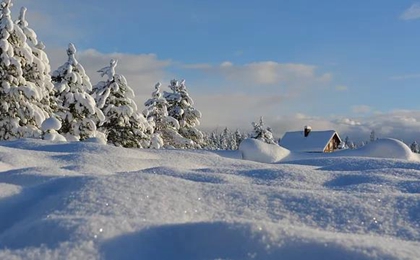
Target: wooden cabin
[311, 141]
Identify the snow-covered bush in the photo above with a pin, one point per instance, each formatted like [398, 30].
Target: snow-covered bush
[49, 127]
[123, 124]
[76, 109]
[262, 133]
[21, 109]
[180, 107]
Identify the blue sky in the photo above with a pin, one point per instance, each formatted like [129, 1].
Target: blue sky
[348, 65]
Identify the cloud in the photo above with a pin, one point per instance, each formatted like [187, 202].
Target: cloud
[272, 73]
[235, 110]
[267, 73]
[347, 121]
[411, 13]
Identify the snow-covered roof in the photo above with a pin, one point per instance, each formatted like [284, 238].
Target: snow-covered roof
[316, 141]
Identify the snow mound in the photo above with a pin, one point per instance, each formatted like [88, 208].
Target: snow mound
[51, 123]
[384, 148]
[258, 151]
[7, 190]
[231, 241]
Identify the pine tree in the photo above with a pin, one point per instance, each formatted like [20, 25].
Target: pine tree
[181, 108]
[76, 107]
[21, 112]
[372, 136]
[165, 127]
[415, 147]
[239, 137]
[37, 72]
[123, 124]
[262, 133]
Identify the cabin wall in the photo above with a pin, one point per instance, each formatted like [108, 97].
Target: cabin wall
[332, 145]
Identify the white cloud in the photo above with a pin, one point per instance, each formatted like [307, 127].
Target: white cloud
[236, 110]
[411, 13]
[272, 73]
[347, 121]
[289, 76]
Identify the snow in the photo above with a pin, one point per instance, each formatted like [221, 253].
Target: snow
[51, 123]
[384, 148]
[82, 200]
[259, 151]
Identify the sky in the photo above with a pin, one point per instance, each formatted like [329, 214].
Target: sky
[346, 65]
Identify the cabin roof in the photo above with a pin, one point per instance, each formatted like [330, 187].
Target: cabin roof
[316, 141]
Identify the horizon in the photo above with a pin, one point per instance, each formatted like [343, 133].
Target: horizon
[347, 66]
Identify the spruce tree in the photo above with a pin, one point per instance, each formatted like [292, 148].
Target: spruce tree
[372, 136]
[123, 125]
[166, 127]
[181, 108]
[37, 72]
[76, 107]
[414, 147]
[262, 133]
[21, 109]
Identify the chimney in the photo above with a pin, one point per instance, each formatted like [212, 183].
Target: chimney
[307, 130]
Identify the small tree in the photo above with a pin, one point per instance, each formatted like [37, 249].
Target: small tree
[372, 136]
[166, 127]
[180, 107]
[76, 107]
[123, 124]
[415, 147]
[262, 133]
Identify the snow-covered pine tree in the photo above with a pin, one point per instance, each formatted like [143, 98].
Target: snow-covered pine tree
[262, 133]
[212, 141]
[37, 72]
[76, 107]
[123, 125]
[239, 137]
[181, 108]
[372, 137]
[166, 127]
[21, 112]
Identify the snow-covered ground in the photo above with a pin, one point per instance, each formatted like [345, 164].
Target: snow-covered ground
[91, 201]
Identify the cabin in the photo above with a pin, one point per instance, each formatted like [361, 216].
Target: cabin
[311, 141]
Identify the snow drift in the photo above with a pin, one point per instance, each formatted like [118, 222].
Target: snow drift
[383, 148]
[259, 151]
[89, 201]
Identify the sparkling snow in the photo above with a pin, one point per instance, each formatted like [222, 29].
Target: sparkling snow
[83, 200]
